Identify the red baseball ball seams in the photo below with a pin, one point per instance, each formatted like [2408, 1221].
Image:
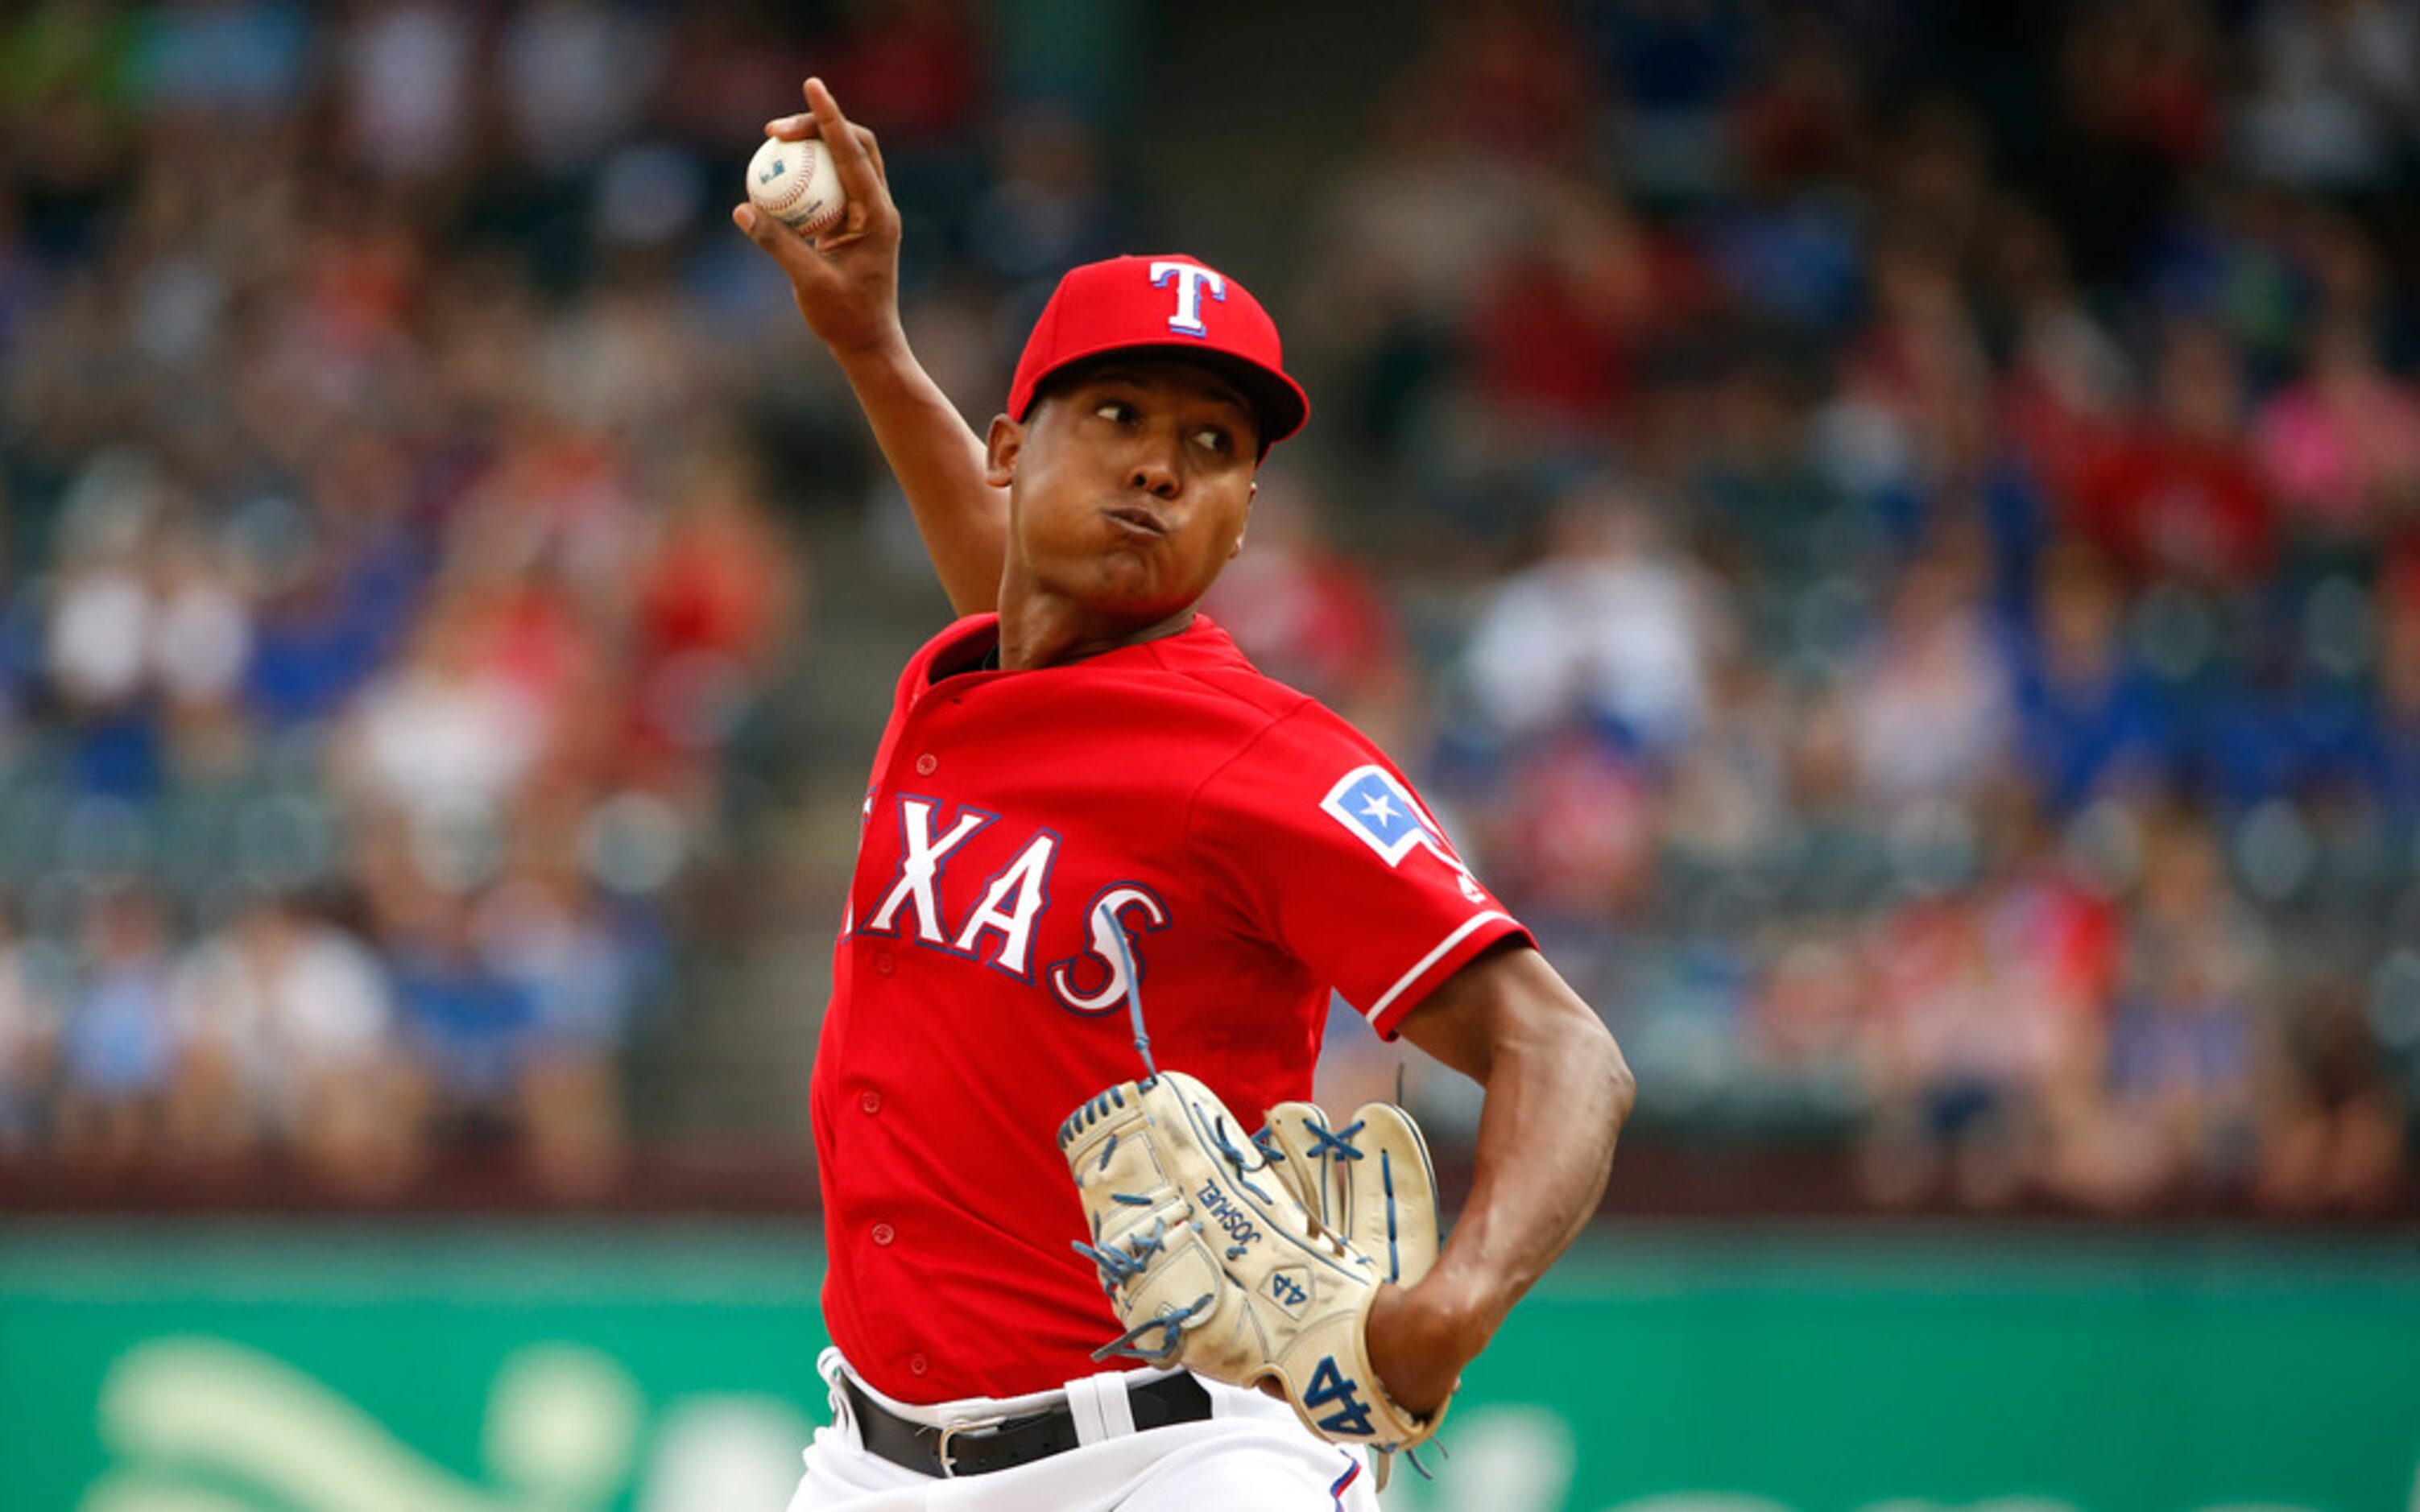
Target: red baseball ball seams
[1255, 850]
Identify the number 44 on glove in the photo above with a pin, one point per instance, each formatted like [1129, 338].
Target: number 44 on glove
[1251, 1257]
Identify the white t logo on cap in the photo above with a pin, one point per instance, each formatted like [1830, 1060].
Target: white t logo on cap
[1190, 278]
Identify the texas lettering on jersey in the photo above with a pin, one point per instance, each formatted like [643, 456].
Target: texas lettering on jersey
[998, 928]
[995, 922]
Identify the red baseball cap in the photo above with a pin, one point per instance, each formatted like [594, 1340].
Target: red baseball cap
[1172, 304]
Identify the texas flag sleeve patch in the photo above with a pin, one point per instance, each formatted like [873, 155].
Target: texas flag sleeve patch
[1330, 854]
[1371, 803]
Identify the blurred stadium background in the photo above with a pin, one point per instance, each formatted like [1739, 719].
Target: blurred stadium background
[1890, 528]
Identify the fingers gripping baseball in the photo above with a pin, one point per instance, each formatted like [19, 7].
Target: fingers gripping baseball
[846, 279]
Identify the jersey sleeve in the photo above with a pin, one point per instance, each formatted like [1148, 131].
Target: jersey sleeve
[1321, 847]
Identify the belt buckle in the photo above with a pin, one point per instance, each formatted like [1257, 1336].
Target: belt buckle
[951, 1430]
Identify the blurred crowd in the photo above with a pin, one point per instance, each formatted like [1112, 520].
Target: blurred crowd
[387, 578]
[1947, 677]
[1892, 530]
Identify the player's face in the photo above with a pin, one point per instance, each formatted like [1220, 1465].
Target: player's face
[1129, 487]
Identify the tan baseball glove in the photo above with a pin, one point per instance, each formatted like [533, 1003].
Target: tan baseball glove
[1251, 1257]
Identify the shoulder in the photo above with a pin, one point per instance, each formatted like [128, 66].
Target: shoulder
[1206, 658]
[1303, 759]
[1198, 686]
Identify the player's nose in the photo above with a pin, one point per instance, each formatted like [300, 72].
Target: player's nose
[1153, 470]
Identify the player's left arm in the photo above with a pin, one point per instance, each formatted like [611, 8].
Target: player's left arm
[1557, 1092]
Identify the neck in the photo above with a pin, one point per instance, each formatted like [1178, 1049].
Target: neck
[1042, 631]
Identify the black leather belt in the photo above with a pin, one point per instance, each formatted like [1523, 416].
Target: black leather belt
[978, 1449]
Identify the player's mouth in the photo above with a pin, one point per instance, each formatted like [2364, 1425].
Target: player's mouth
[1138, 520]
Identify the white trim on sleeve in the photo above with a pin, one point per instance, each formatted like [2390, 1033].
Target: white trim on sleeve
[1431, 959]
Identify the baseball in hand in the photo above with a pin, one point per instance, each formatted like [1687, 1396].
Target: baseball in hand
[794, 182]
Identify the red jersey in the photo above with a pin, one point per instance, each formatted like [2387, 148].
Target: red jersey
[1256, 851]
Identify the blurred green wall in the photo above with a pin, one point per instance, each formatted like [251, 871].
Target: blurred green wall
[511, 1366]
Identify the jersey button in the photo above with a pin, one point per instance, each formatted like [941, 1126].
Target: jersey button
[884, 1233]
[927, 763]
[871, 1101]
[917, 1364]
[884, 964]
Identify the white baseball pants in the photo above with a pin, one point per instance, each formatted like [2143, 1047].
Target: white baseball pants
[1251, 1454]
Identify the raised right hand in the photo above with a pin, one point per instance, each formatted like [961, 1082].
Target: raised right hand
[845, 281]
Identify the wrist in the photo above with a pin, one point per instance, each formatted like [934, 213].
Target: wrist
[881, 351]
[1420, 1337]
[1464, 1312]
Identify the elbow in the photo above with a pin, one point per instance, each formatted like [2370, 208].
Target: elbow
[1587, 1043]
[1620, 1084]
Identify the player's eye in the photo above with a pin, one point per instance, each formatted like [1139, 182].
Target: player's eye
[1114, 410]
[1214, 439]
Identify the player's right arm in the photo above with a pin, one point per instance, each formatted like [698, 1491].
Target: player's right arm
[846, 282]
[1557, 1093]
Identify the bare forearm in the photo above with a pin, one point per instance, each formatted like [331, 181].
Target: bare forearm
[1555, 1100]
[1558, 1093]
[939, 461]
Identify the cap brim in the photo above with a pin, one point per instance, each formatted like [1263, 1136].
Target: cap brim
[1280, 407]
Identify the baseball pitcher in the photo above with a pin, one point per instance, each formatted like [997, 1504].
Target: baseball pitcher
[1090, 1244]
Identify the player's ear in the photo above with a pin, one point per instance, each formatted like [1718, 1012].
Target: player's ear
[1007, 438]
[1246, 527]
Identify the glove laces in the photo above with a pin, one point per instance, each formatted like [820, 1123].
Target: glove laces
[1169, 1325]
[1134, 994]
